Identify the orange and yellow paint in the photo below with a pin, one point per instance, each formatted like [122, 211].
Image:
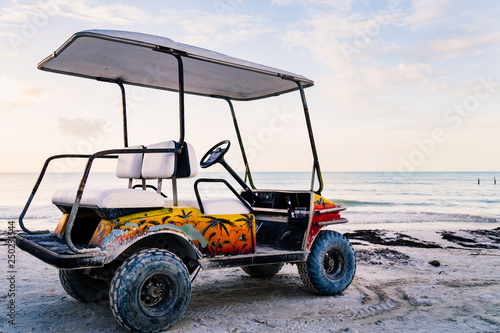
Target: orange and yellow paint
[211, 234]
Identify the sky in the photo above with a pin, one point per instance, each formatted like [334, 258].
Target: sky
[399, 85]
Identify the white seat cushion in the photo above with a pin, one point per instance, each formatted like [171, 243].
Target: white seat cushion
[112, 198]
[159, 165]
[224, 206]
[129, 165]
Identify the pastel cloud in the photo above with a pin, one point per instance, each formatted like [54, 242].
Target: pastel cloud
[14, 93]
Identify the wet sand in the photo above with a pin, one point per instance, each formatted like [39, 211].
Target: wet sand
[420, 280]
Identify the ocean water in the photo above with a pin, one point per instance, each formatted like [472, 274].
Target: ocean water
[370, 197]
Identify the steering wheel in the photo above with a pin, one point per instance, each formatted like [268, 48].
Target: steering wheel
[215, 154]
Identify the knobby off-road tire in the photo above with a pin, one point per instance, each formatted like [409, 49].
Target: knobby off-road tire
[331, 265]
[82, 287]
[262, 271]
[150, 291]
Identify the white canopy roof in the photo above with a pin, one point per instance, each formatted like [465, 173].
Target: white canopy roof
[146, 60]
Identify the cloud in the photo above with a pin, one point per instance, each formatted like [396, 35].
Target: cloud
[455, 28]
[425, 31]
[283, 2]
[447, 48]
[37, 14]
[108, 14]
[15, 93]
[427, 13]
[225, 24]
[391, 61]
[384, 91]
[339, 4]
[210, 29]
[18, 14]
[339, 36]
[81, 127]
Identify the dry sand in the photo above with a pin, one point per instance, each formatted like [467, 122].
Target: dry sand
[395, 289]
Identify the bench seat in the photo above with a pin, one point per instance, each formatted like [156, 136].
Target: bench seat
[110, 198]
[113, 203]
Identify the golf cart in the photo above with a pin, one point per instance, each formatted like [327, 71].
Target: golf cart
[142, 249]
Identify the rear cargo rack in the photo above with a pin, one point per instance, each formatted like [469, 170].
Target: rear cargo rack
[54, 251]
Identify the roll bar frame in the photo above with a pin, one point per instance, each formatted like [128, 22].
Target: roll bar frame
[111, 153]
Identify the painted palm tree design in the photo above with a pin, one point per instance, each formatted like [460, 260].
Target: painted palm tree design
[186, 217]
[242, 238]
[217, 223]
[249, 224]
[217, 246]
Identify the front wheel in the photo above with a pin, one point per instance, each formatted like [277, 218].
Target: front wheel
[331, 265]
[150, 291]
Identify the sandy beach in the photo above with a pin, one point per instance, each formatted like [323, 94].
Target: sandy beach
[419, 280]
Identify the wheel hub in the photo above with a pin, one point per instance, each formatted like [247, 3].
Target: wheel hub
[334, 264]
[154, 291]
[331, 262]
[156, 295]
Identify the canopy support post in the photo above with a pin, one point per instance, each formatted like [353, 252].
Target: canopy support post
[240, 141]
[124, 108]
[316, 168]
[181, 98]
[180, 144]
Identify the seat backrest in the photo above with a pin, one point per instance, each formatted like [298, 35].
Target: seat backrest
[129, 165]
[162, 165]
[159, 165]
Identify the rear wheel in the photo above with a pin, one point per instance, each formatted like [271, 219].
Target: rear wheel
[331, 265]
[83, 287]
[150, 291]
[262, 271]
